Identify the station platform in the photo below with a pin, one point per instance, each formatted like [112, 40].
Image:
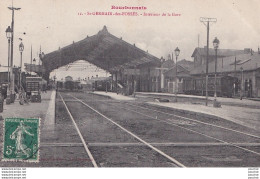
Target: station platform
[244, 112]
[44, 110]
[113, 95]
[201, 99]
[31, 110]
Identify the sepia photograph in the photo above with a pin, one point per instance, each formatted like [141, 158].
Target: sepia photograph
[130, 84]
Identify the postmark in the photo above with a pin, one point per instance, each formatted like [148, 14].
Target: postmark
[21, 139]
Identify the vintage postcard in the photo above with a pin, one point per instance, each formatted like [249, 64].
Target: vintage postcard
[130, 83]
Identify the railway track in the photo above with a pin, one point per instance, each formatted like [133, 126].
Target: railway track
[197, 121]
[193, 120]
[173, 160]
[185, 128]
[122, 105]
[80, 135]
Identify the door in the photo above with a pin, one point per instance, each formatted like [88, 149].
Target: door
[258, 86]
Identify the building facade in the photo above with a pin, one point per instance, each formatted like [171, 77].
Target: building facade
[245, 68]
[183, 71]
[199, 55]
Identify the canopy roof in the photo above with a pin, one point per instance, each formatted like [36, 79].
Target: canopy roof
[221, 52]
[247, 62]
[103, 50]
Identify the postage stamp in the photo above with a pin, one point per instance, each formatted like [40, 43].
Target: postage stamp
[21, 139]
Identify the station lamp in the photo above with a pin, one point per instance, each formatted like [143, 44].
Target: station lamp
[215, 45]
[177, 53]
[242, 79]
[34, 61]
[21, 48]
[8, 32]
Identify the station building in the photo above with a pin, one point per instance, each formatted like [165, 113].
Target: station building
[133, 69]
[138, 75]
[183, 71]
[199, 55]
[244, 65]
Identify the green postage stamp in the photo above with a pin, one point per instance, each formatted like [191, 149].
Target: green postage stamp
[21, 139]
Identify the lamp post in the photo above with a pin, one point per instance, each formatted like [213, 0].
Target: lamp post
[135, 81]
[206, 21]
[12, 53]
[21, 48]
[106, 73]
[202, 83]
[215, 44]
[34, 61]
[41, 56]
[177, 52]
[8, 36]
[34, 66]
[241, 90]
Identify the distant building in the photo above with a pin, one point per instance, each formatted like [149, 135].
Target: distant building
[183, 71]
[141, 74]
[244, 67]
[39, 69]
[68, 78]
[166, 65]
[4, 75]
[200, 54]
[79, 69]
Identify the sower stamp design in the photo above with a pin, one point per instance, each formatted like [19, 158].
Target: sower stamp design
[21, 139]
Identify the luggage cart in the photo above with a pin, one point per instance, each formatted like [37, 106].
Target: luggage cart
[33, 88]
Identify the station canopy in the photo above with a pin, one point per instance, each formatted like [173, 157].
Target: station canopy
[103, 50]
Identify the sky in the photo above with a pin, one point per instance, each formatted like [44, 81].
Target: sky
[55, 23]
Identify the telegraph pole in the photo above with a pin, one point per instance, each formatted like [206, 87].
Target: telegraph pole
[31, 63]
[198, 40]
[12, 50]
[206, 21]
[40, 55]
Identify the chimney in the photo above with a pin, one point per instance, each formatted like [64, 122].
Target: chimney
[258, 50]
[169, 57]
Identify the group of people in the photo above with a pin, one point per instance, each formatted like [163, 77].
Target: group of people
[247, 88]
